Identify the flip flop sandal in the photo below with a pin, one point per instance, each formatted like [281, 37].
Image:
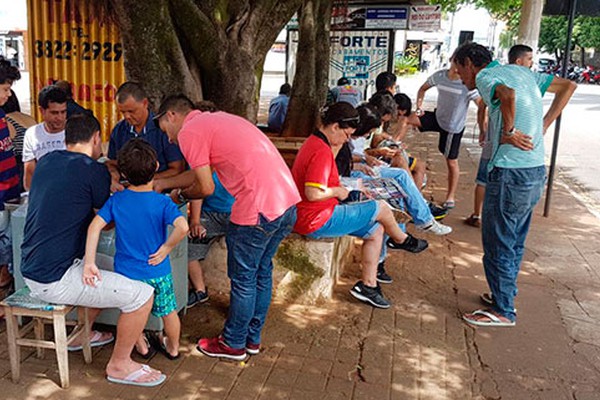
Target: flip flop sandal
[163, 349]
[151, 350]
[494, 320]
[94, 341]
[449, 204]
[132, 378]
[488, 299]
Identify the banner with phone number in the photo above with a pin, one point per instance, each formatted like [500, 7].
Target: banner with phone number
[68, 42]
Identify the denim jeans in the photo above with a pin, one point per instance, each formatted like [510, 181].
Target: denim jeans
[510, 196]
[250, 250]
[416, 205]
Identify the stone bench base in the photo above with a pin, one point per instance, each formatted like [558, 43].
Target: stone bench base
[305, 272]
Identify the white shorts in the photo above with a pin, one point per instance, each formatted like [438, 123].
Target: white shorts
[112, 291]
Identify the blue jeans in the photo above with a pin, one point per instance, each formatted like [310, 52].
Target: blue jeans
[510, 196]
[250, 250]
[416, 205]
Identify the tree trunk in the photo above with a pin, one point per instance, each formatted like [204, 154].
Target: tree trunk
[210, 49]
[529, 24]
[582, 56]
[312, 68]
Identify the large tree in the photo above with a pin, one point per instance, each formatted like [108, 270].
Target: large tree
[309, 87]
[207, 49]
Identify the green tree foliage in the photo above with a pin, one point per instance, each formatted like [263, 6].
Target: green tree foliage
[504, 10]
[553, 34]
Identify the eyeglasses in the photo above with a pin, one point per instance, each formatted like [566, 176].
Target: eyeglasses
[157, 118]
[351, 122]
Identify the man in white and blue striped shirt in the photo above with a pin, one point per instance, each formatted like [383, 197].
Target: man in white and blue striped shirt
[516, 171]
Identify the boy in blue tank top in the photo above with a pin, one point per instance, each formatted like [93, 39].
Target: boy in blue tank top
[141, 217]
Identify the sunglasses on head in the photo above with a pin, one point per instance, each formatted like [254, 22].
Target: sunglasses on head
[157, 118]
[352, 122]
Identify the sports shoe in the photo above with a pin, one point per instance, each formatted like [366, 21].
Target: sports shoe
[411, 244]
[436, 228]
[253, 348]
[439, 213]
[382, 276]
[197, 297]
[216, 347]
[369, 295]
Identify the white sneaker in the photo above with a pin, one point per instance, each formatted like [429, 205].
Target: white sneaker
[436, 228]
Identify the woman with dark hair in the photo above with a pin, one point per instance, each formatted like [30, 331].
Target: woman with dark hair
[320, 214]
[18, 123]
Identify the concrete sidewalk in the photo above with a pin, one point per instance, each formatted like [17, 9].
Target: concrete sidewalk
[418, 349]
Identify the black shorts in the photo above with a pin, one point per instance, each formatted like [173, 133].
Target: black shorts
[449, 143]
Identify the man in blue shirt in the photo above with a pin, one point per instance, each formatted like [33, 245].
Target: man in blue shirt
[132, 102]
[67, 186]
[516, 171]
[346, 92]
[278, 108]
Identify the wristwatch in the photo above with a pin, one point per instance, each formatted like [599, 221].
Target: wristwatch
[510, 132]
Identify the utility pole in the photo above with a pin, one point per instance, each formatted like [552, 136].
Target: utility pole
[529, 25]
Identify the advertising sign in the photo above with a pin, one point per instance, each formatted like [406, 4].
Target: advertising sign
[357, 55]
[425, 18]
[68, 43]
[372, 17]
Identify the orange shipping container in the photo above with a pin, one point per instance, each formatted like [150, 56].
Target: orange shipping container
[66, 41]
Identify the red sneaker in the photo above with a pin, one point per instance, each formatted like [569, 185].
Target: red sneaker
[252, 348]
[216, 347]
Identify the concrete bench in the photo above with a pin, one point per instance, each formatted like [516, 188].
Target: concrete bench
[305, 270]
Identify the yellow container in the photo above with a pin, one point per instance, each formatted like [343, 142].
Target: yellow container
[68, 42]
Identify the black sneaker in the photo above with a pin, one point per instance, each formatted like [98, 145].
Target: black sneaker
[197, 297]
[382, 276]
[412, 244]
[439, 213]
[369, 295]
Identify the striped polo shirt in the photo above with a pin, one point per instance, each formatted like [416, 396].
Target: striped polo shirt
[9, 174]
[529, 89]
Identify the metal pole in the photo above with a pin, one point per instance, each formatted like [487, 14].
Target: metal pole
[563, 73]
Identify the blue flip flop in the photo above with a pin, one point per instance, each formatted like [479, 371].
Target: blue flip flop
[131, 378]
[449, 205]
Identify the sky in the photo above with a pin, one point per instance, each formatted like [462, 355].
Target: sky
[13, 15]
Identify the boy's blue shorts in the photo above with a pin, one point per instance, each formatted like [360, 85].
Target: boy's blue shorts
[164, 295]
[482, 172]
[354, 219]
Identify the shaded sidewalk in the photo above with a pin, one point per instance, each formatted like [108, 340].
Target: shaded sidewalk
[418, 349]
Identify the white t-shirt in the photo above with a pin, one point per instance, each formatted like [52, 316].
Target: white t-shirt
[38, 142]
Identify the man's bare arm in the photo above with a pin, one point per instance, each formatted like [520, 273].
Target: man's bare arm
[174, 168]
[204, 185]
[29, 169]
[563, 90]
[506, 96]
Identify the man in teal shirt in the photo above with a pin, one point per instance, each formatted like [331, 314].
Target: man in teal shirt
[516, 171]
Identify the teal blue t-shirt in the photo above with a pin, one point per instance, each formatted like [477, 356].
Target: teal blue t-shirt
[141, 220]
[220, 201]
[529, 89]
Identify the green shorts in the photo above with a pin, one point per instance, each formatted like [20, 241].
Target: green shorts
[164, 295]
